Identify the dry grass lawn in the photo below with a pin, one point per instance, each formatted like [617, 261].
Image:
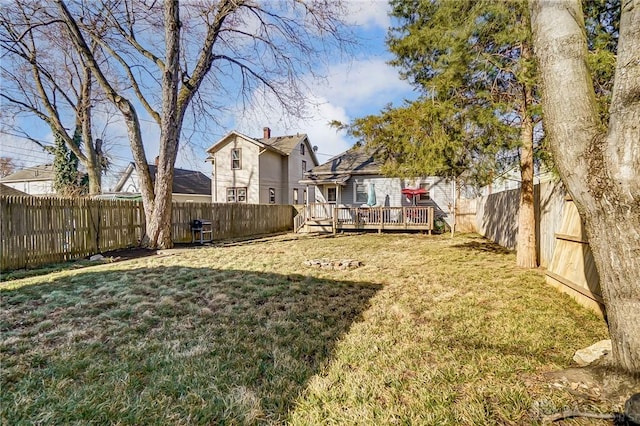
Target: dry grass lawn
[429, 331]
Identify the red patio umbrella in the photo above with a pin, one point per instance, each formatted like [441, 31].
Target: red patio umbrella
[412, 192]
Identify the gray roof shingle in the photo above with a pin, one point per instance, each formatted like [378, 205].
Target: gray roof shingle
[357, 160]
[40, 172]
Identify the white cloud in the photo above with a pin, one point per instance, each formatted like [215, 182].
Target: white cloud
[368, 13]
[363, 87]
[350, 90]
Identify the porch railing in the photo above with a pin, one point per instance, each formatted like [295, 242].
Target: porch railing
[408, 217]
[369, 217]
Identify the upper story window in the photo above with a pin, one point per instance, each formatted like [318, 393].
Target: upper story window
[302, 148]
[272, 195]
[236, 158]
[426, 187]
[304, 166]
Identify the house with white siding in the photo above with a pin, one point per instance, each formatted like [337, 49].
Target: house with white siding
[347, 180]
[264, 170]
[34, 180]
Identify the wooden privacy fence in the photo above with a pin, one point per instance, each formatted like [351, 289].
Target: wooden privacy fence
[231, 220]
[562, 244]
[37, 231]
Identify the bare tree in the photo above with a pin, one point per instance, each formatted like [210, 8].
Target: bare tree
[599, 162]
[229, 47]
[45, 79]
[7, 166]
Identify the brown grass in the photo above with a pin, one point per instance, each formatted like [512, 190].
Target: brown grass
[430, 330]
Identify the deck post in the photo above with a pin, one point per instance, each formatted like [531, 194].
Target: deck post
[335, 220]
[430, 216]
[381, 219]
[404, 217]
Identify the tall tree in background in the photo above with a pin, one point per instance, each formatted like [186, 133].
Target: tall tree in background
[43, 77]
[598, 159]
[475, 57]
[434, 137]
[167, 53]
[66, 180]
[7, 166]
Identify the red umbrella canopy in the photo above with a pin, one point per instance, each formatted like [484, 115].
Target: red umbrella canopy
[413, 191]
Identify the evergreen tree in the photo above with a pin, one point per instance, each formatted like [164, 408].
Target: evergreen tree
[473, 63]
[66, 179]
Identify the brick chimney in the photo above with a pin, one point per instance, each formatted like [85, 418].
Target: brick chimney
[267, 132]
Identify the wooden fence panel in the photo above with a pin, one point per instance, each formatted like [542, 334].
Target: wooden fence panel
[573, 269]
[37, 231]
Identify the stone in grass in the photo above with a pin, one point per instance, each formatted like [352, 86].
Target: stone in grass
[632, 408]
[586, 356]
[334, 264]
[96, 257]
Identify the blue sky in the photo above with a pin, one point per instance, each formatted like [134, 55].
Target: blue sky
[354, 87]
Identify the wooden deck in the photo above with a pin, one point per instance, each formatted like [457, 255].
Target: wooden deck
[328, 218]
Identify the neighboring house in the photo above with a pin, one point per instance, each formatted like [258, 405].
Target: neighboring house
[188, 185]
[347, 179]
[263, 170]
[9, 191]
[35, 180]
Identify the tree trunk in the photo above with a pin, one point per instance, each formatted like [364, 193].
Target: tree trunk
[526, 244]
[600, 168]
[159, 225]
[91, 161]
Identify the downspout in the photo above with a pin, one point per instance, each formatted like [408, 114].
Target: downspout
[215, 181]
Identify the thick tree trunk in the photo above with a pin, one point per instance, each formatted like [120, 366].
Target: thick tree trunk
[600, 169]
[159, 225]
[526, 244]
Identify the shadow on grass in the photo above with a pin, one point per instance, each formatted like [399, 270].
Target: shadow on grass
[483, 246]
[169, 344]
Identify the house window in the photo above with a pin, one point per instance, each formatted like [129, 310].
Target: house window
[236, 157]
[242, 195]
[304, 196]
[272, 195]
[361, 193]
[304, 166]
[236, 195]
[295, 195]
[427, 196]
[332, 195]
[302, 148]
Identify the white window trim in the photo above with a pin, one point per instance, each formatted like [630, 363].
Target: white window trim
[239, 151]
[355, 192]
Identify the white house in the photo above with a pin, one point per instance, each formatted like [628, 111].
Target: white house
[263, 170]
[347, 179]
[35, 180]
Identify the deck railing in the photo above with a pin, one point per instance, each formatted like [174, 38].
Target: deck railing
[319, 211]
[407, 217]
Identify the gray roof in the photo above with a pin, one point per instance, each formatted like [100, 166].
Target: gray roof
[9, 191]
[285, 144]
[187, 181]
[34, 173]
[184, 181]
[357, 160]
